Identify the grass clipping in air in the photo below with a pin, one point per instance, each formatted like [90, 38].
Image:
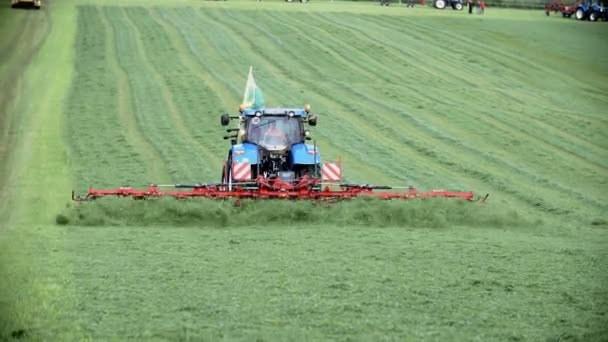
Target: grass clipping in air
[432, 213]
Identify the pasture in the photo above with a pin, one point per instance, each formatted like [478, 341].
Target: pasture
[105, 94]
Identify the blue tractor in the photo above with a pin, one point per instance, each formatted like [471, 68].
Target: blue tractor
[591, 11]
[270, 142]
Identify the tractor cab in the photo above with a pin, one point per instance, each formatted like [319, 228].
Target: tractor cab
[270, 142]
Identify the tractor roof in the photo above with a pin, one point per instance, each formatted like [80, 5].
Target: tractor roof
[275, 111]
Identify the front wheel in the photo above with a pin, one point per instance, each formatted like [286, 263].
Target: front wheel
[440, 4]
[303, 1]
[457, 6]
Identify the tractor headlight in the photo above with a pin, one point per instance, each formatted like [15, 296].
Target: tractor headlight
[291, 114]
[258, 113]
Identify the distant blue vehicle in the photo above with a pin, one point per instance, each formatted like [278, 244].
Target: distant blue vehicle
[591, 11]
[270, 142]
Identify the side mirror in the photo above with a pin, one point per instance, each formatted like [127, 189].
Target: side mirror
[225, 119]
[312, 120]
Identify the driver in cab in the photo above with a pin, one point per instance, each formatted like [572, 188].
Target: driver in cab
[274, 135]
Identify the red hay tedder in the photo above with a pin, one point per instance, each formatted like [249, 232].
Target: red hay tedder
[263, 188]
[557, 6]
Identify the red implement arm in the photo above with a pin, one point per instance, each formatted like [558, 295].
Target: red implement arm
[262, 188]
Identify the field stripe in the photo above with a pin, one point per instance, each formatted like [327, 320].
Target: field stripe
[171, 90]
[513, 61]
[190, 59]
[515, 117]
[134, 137]
[194, 105]
[92, 115]
[13, 63]
[152, 110]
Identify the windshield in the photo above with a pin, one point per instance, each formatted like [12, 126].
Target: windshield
[274, 133]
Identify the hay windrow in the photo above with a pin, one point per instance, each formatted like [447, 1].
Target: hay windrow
[431, 213]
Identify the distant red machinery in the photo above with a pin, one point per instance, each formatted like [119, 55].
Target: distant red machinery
[557, 6]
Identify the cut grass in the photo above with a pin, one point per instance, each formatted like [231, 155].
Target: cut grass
[335, 283]
[430, 213]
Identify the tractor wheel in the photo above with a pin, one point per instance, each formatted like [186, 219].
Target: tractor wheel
[227, 171]
[580, 15]
[593, 16]
[440, 4]
[303, 1]
[457, 6]
[289, 0]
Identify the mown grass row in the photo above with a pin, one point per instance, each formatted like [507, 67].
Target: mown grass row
[99, 151]
[152, 103]
[207, 213]
[195, 104]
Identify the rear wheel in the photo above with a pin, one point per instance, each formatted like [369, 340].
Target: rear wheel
[440, 4]
[593, 16]
[580, 15]
[226, 172]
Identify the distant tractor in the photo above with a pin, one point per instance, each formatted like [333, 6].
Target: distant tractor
[302, 1]
[455, 4]
[593, 12]
[26, 3]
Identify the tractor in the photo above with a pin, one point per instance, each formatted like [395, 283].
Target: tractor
[591, 11]
[455, 4]
[22, 3]
[270, 142]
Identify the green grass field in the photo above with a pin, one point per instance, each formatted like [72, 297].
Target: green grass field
[99, 93]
